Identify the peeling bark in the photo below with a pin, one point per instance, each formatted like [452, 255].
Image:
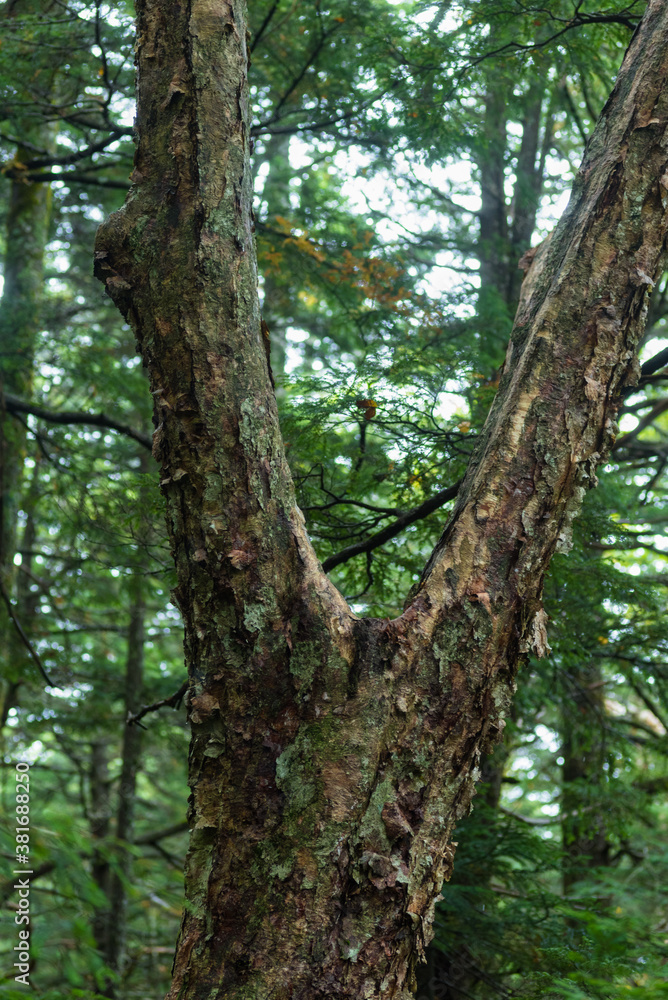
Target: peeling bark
[331, 756]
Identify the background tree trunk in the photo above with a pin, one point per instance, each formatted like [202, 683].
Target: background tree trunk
[584, 751]
[330, 756]
[20, 314]
[112, 919]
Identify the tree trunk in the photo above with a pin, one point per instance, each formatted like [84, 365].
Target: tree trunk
[20, 314]
[26, 234]
[99, 818]
[19, 663]
[331, 756]
[583, 748]
[493, 250]
[112, 866]
[453, 974]
[529, 181]
[114, 935]
[276, 194]
[502, 242]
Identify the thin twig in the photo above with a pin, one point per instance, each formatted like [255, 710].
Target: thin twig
[173, 701]
[24, 638]
[15, 405]
[385, 534]
[68, 176]
[263, 27]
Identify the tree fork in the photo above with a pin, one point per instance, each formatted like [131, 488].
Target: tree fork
[330, 756]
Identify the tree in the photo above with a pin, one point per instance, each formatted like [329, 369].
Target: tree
[330, 755]
[65, 81]
[346, 274]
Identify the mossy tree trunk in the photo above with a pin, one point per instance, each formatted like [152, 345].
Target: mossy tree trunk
[331, 756]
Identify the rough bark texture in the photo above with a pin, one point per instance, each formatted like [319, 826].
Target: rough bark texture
[330, 757]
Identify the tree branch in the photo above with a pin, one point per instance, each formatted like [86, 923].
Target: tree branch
[80, 154]
[24, 638]
[660, 407]
[149, 839]
[385, 534]
[263, 27]
[14, 405]
[71, 177]
[296, 80]
[173, 701]
[530, 820]
[153, 836]
[653, 365]
[575, 22]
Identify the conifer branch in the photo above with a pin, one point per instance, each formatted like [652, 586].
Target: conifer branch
[14, 405]
[385, 534]
[22, 635]
[173, 701]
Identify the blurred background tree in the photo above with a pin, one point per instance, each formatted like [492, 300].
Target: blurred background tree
[407, 156]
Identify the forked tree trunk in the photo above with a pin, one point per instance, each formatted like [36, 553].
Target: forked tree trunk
[331, 756]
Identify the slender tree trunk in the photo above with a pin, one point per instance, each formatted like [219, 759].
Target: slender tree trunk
[528, 184]
[506, 226]
[453, 974]
[331, 756]
[493, 246]
[20, 314]
[19, 661]
[120, 874]
[26, 234]
[99, 819]
[276, 194]
[583, 749]
[113, 871]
